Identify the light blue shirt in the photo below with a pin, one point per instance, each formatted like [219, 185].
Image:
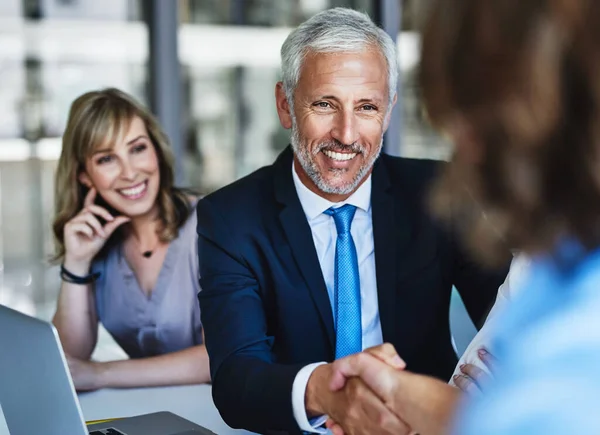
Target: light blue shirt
[324, 235]
[547, 380]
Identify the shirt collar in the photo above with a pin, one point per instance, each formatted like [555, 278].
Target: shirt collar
[314, 205]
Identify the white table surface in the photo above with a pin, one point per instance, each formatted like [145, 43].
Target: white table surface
[193, 402]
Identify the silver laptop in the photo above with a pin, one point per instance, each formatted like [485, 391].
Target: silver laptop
[37, 394]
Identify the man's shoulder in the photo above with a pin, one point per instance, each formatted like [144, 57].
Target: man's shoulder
[411, 173]
[246, 191]
[411, 166]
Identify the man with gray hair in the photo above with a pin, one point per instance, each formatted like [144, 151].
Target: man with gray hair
[330, 250]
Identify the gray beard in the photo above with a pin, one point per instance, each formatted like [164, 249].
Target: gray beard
[308, 163]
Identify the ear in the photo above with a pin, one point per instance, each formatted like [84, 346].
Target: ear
[84, 179]
[283, 107]
[388, 116]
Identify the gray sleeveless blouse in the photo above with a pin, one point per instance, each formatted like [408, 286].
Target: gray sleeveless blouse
[165, 321]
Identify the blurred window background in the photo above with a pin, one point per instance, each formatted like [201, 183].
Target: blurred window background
[51, 51]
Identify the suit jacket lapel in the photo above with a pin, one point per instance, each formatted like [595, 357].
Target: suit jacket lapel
[299, 236]
[390, 231]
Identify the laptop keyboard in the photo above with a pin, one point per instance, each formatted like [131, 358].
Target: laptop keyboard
[109, 431]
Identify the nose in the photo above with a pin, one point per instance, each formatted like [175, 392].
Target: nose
[127, 170]
[345, 128]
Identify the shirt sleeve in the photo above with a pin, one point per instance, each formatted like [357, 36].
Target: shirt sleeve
[314, 425]
[483, 339]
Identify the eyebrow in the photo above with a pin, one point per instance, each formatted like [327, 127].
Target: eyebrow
[362, 100]
[141, 136]
[131, 142]
[368, 100]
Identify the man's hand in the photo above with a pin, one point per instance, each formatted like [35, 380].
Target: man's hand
[474, 379]
[423, 403]
[354, 406]
[385, 353]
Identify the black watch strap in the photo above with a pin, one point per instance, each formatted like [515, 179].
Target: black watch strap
[74, 279]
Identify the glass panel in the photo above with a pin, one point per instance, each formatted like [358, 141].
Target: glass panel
[266, 13]
[418, 139]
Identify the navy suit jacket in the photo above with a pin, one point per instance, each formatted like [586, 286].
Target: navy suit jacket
[264, 304]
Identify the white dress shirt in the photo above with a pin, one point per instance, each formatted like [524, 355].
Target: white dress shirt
[324, 236]
[516, 275]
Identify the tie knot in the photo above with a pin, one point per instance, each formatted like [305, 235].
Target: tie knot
[342, 216]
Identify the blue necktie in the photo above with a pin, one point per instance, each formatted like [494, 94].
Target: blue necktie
[347, 285]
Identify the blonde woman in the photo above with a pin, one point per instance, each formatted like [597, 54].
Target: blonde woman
[125, 239]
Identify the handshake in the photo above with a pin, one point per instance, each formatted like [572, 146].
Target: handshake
[372, 393]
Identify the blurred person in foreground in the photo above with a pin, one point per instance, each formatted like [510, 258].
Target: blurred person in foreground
[125, 238]
[330, 250]
[517, 85]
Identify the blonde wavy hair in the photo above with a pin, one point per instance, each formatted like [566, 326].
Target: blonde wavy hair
[95, 119]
